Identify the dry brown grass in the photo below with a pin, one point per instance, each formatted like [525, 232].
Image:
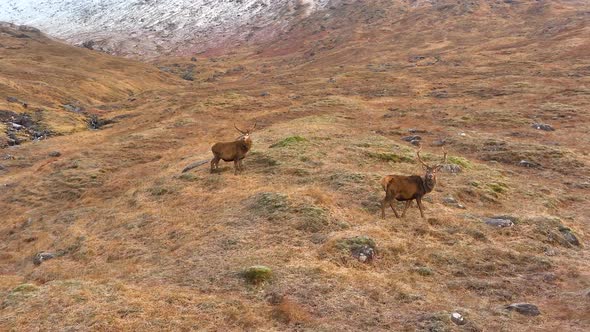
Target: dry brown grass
[142, 247]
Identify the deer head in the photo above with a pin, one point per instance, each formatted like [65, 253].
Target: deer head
[431, 170]
[245, 133]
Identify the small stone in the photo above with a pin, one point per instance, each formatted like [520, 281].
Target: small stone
[462, 134]
[264, 94]
[41, 257]
[417, 131]
[498, 222]
[364, 253]
[458, 319]
[332, 80]
[526, 309]
[550, 252]
[54, 154]
[528, 164]
[193, 59]
[543, 126]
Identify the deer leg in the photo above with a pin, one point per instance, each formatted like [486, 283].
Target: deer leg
[214, 163]
[241, 164]
[419, 201]
[391, 204]
[408, 203]
[236, 166]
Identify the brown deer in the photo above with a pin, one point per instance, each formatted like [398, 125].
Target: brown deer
[408, 188]
[234, 151]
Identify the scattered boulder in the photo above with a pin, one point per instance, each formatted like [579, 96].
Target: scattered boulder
[543, 126]
[458, 319]
[41, 257]
[526, 309]
[528, 164]
[439, 142]
[417, 131]
[74, 108]
[257, 274]
[54, 154]
[18, 101]
[498, 222]
[451, 168]
[569, 236]
[451, 201]
[413, 139]
[363, 248]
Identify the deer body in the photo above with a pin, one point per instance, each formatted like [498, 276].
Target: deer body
[234, 151]
[409, 188]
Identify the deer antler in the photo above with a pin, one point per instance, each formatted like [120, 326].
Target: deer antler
[419, 158]
[238, 129]
[444, 158]
[251, 130]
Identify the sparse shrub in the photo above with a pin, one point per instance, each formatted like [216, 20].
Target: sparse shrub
[188, 75]
[291, 140]
[271, 205]
[355, 243]
[459, 161]
[188, 177]
[160, 191]
[257, 274]
[498, 187]
[423, 271]
[24, 289]
[396, 158]
[314, 218]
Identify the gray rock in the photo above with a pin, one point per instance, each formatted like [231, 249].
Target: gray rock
[42, 256]
[417, 131]
[451, 168]
[264, 94]
[458, 319]
[332, 80]
[498, 222]
[528, 163]
[411, 138]
[364, 253]
[440, 142]
[73, 108]
[569, 236]
[193, 59]
[54, 154]
[543, 126]
[526, 309]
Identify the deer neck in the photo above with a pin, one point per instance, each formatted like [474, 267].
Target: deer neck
[428, 185]
[246, 144]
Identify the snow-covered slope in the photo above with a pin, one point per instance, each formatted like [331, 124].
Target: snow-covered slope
[152, 27]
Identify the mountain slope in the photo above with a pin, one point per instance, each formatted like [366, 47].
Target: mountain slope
[53, 88]
[139, 245]
[159, 27]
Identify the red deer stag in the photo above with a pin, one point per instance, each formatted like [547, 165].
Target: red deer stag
[408, 188]
[234, 151]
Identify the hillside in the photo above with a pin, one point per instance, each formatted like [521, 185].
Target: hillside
[54, 89]
[139, 245]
